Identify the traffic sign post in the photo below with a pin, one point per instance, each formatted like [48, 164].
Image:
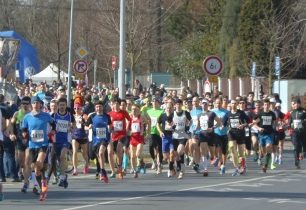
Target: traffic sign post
[213, 65]
[82, 52]
[80, 66]
[213, 79]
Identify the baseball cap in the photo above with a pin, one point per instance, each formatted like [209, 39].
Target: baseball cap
[272, 100]
[35, 99]
[277, 104]
[204, 101]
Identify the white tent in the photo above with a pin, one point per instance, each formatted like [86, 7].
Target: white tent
[49, 74]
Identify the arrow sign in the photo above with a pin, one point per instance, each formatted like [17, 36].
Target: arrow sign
[80, 66]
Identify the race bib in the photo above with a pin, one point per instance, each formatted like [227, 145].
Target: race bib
[37, 135]
[62, 126]
[204, 123]
[266, 120]
[118, 125]
[194, 121]
[297, 124]
[247, 131]
[135, 128]
[78, 125]
[234, 123]
[153, 121]
[101, 133]
[180, 126]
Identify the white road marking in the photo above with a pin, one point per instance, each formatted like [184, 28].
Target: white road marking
[169, 192]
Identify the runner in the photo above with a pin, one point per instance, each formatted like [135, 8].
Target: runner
[138, 123]
[254, 133]
[34, 127]
[99, 122]
[165, 127]
[206, 123]
[194, 149]
[297, 123]
[181, 121]
[79, 139]
[237, 121]
[265, 124]
[119, 126]
[64, 123]
[220, 138]
[155, 143]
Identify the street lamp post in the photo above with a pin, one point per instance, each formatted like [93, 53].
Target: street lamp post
[70, 55]
[121, 71]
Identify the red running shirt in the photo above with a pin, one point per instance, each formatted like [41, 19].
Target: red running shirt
[118, 124]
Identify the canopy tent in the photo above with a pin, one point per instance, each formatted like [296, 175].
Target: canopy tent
[49, 74]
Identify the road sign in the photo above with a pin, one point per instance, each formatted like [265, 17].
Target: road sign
[213, 79]
[277, 66]
[82, 52]
[213, 65]
[114, 62]
[80, 66]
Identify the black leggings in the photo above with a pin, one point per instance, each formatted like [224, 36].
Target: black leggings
[2, 174]
[156, 142]
[299, 143]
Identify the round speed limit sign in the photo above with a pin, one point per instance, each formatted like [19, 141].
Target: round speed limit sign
[213, 65]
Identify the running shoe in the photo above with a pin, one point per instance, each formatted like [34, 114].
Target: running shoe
[119, 173]
[25, 187]
[255, 158]
[205, 172]
[103, 177]
[75, 173]
[97, 175]
[55, 180]
[169, 174]
[196, 168]
[86, 170]
[236, 172]
[44, 190]
[216, 161]
[181, 175]
[273, 166]
[153, 165]
[113, 175]
[159, 169]
[222, 170]
[297, 164]
[135, 174]
[36, 190]
[63, 182]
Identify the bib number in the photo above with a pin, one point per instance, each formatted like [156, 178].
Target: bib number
[62, 126]
[135, 128]
[101, 133]
[37, 135]
[297, 124]
[118, 125]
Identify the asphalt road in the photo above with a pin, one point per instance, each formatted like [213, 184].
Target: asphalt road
[282, 188]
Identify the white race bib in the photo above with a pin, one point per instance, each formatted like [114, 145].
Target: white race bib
[37, 135]
[180, 126]
[247, 131]
[266, 120]
[204, 123]
[118, 125]
[62, 126]
[153, 121]
[234, 123]
[101, 133]
[135, 128]
[297, 124]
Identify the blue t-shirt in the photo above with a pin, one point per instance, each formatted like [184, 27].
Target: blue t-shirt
[194, 113]
[223, 115]
[100, 130]
[62, 127]
[37, 126]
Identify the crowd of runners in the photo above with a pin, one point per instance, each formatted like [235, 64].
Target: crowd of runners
[181, 129]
